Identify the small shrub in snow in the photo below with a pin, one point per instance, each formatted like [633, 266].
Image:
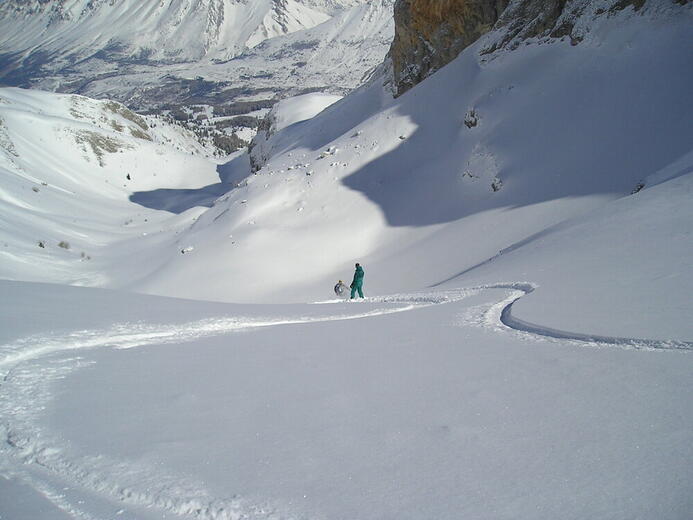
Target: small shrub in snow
[42, 244]
[64, 244]
[5, 140]
[100, 144]
[471, 119]
[121, 110]
[638, 187]
[497, 184]
[228, 143]
[139, 134]
[35, 189]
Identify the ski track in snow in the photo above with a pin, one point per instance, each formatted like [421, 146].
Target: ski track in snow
[130, 335]
[31, 366]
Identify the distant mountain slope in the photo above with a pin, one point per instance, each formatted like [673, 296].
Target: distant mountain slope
[170, 31]
[143, 53]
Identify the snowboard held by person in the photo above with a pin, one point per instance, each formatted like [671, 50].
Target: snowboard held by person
[340, 289]
[357, 283]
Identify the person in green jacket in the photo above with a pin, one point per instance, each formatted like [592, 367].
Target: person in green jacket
[357, 283]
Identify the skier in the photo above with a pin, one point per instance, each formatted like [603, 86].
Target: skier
[340, 289]
[357, 283]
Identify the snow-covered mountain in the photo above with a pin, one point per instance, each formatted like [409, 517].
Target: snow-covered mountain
[148, 53]
[488, 158]
[172, 31]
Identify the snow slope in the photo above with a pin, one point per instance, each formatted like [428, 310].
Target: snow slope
[517, 167]
[117, 405]
[555, 134]
[286, 113]
[69, 166]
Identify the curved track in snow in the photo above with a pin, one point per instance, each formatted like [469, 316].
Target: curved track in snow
[138, 334]
[31, 364]
[519, 290]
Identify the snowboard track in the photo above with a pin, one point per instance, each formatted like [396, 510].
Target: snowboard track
[31, 365]
[521, 290]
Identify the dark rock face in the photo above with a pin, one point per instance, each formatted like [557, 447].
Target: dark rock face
[431, 33]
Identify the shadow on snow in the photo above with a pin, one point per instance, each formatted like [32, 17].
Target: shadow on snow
[180, 200]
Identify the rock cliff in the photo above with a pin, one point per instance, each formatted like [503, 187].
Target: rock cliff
[431, 33]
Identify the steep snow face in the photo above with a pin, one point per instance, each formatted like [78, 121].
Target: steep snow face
[284, 114]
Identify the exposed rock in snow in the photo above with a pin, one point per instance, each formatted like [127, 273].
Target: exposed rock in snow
[431, 33]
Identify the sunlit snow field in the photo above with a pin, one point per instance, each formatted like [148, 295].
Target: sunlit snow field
[420, 405]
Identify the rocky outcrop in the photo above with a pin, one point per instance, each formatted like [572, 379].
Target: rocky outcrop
[526, 19]
[431, 33]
